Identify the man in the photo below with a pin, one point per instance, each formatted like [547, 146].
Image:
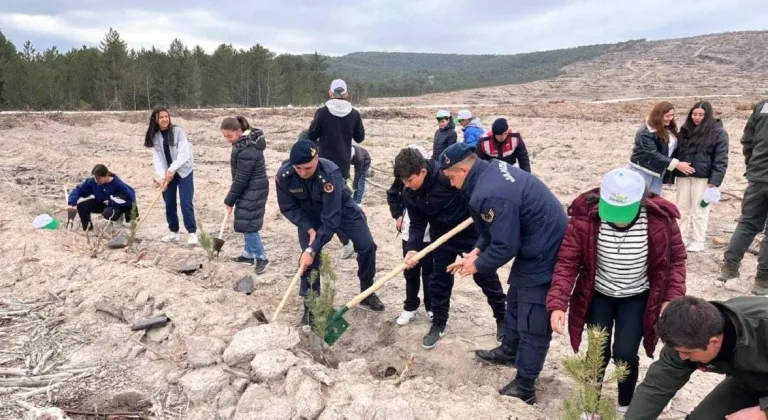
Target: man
[727, 338]
[430, 199]
[518, 217]
[504, 143]
[471, 127]
[754, 207]
[361, 160]
[312, 194]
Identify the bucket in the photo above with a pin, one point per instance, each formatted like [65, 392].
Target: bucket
[45, 221]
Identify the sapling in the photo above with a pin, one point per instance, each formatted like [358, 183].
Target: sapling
[321, 305]
[206, 242]
[134, 224]
[586, 370]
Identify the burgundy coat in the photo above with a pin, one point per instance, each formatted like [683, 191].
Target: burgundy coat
[577, 263]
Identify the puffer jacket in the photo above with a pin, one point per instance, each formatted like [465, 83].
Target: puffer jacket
[710, 163]
[473, 132]
[650, 154]
[444, 137]
[250, 185]
[577, 264]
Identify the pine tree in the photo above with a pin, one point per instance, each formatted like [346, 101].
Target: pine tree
[321, 305]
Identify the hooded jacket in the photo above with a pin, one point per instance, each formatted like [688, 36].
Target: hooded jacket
[334, 127]
[473, 132]
[577, 264]
[710, 163]
[250, 186]
[444, 137]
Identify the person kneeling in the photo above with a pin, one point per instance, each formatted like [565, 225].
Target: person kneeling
[111, 197]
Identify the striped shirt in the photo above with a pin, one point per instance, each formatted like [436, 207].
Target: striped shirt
[622, 258]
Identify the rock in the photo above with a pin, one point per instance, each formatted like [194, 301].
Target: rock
[106, 306]
[225, 413]
[257, 403]
[244, 285]
[141, 298]
[174, 376]
[239, 384]
[272, 364]
[131, 400]
[251, 341]
[717, 241]
[309, 399]
[74, 286]
[226, 398]
[136, 351]
[202, 385]
[317, 372]
[203, 351]
[118, 242]
[190, 268]
[356, 368]
[158, 335]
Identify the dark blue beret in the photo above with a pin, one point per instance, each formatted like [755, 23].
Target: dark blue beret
[453, 154]
[303, 151]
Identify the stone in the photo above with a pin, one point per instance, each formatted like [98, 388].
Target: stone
[318, 372]
[118, 242]
[239, 384]
[258, 403]
[244, 285]
[141, 298]
[356, 369]
[226, 398]
[202, 385]
[136, 351]
[309, 399]
[173, 377]
[106, 306]
[203, 351]
[225, 413]
[272, 364]
[249, 342]
[158, 335]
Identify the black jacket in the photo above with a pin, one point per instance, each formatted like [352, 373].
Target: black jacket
[444, 137]
[442, 207]
[333, 128]
[755, 143]
[250, 186]
[395, 198]
[710, 163]
[650, 153]
[361, 161]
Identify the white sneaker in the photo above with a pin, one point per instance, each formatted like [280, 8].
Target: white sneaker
[192, 239]
[696, 246]
[347, 251]
[406, 317]
[621, 410]
[430, 315]
[171, 237]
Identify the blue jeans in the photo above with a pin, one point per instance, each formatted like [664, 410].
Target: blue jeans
[654, 183]
[359, 184]
[186, 189]
[254, 248]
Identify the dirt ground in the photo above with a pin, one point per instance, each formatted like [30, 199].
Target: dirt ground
[56, 300]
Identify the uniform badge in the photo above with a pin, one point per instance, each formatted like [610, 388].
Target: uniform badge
[447, 161]
[312, 152]
[296, 190]
[328, 187]
[488, 217]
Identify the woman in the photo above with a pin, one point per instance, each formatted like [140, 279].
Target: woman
[445, 134]
[173, 162]
[624, 251]
[111, 197]
[655, 143]
[704, 143]
[250, 187]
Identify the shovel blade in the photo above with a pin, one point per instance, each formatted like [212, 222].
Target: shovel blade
[336, 326]
[217, 244]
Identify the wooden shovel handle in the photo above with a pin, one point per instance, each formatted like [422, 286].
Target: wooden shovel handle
[287, 293]
[419, 255]
[148, 210]
[223, 223]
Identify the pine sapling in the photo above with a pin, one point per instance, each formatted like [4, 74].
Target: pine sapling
[321, 305]
[206, 242]
[134, 224]
[587, 371]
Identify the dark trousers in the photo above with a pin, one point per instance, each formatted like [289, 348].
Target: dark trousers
[754, 211]
[356, 230]
[527, 327]
[359, 183]
[186, 189]
[727, 398]
[441, 284]
[412, 283]
[87, 207]
[627, 314]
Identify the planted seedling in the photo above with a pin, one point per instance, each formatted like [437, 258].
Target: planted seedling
[321, 305]
[207, 243]
[134, 224]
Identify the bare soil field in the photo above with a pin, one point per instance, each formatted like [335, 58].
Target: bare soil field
[65, 337]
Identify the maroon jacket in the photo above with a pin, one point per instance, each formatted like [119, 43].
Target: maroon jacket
[577, 262]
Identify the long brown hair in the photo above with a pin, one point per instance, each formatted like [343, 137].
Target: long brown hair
[235, 123]
[656, 121]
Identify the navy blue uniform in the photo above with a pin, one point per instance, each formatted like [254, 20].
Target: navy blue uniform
[443, 207]
[324, 203]
[518, 217]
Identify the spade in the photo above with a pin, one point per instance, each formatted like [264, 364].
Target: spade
[218, 243]
[71, 213]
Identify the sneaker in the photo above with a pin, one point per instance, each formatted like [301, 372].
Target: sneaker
[696, 246]
[372, 303]
[430, 315]
[406, 317]
[621, 410]
[261, 266]
[727, 273]
[243, 260]
[347, 251]
[499, 333]
[435, 334]
[171, 237]
[192, 239]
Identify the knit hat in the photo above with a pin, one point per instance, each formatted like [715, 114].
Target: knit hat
[500, 126]
[453, 154]
[621, 192]
[303, 151]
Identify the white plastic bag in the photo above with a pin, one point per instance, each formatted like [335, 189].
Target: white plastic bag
[711, 196]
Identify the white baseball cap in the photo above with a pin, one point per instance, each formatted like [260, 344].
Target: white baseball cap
[621, 192]
[338, 87]
[442, 114]
[464, 114]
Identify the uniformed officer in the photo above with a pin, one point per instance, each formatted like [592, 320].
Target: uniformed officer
[518, 217]
[312, 194]
[430, 199]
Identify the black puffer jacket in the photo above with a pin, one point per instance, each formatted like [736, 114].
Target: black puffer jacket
[444, 137]
[650, 153]
[250, 186]
[710, 162]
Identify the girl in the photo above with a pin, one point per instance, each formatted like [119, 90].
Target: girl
[445, 135]
[655, 143]
[173, 162]
[624, 251]
[111, 197]
[250, 187]
[704, 143]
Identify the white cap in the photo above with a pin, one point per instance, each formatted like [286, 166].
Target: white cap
[442, 114]
[338, 87]
[621, 192]
[464, 114]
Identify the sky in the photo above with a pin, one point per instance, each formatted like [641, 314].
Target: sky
[333, 28]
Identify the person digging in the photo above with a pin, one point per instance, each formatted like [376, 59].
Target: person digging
[112, 197]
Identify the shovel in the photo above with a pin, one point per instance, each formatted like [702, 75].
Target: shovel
[71, 213]
[337, 324]
[287, 293]
[218, 243]
[148, 210]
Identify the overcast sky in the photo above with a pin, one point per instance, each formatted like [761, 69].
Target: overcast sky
[328, 27]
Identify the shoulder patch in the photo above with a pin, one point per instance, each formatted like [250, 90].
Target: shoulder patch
[488, 217]
[328, 187]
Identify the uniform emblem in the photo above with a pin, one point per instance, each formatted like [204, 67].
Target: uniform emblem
[328, 187]
[296, 190]
[447, 161]
[488, 217]
[312, 152]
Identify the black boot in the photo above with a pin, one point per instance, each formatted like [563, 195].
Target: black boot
[307, 318]
[504, 355]
[523, 389]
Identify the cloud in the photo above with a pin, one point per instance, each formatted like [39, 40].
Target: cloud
[325, 26]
